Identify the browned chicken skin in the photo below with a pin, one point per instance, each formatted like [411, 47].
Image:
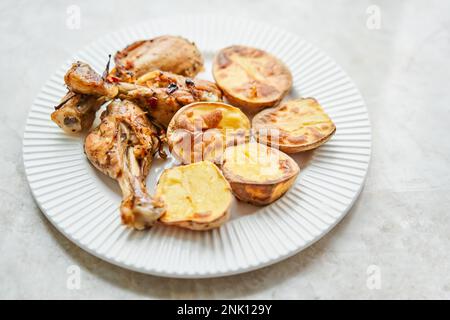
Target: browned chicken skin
[122, 147]
[81, 78]
[165, 53]
[164, 93]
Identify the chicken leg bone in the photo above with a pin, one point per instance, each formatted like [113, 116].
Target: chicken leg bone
[122, 147]
[87, 92]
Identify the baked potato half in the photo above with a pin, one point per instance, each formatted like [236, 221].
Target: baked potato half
[294, 126]
[202, 130]
[195, 196]
[167, 53]
[251, 78]
[258, 174]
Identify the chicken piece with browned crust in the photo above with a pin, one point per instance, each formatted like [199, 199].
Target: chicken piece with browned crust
[81, 78]
[122, 147]
[87, 92]
[164, 93]
[167, 53]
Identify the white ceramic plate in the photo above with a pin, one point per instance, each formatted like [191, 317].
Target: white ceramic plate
[83, 203]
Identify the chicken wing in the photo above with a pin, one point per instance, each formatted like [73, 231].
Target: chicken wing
[122, 147]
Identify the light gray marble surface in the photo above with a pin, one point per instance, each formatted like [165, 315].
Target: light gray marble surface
[400, 223]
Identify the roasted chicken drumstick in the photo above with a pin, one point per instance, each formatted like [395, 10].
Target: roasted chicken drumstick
[122, 147]
[160, 93]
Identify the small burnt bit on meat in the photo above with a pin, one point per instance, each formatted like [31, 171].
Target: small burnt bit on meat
[189, 82]
[106, 71]
[172, 87]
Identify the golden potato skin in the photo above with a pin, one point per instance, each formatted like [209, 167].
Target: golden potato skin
[196, 226]
[167, 53]
[217, 112]
[250, 78]
[261, 192]
[306, 136]
[296, 149]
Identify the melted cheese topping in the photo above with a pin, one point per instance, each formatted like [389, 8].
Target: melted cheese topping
[254, 162]
[196, 192]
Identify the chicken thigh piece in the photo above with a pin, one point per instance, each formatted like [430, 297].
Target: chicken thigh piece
[164, 93]
[167, 53]
[122, 147]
